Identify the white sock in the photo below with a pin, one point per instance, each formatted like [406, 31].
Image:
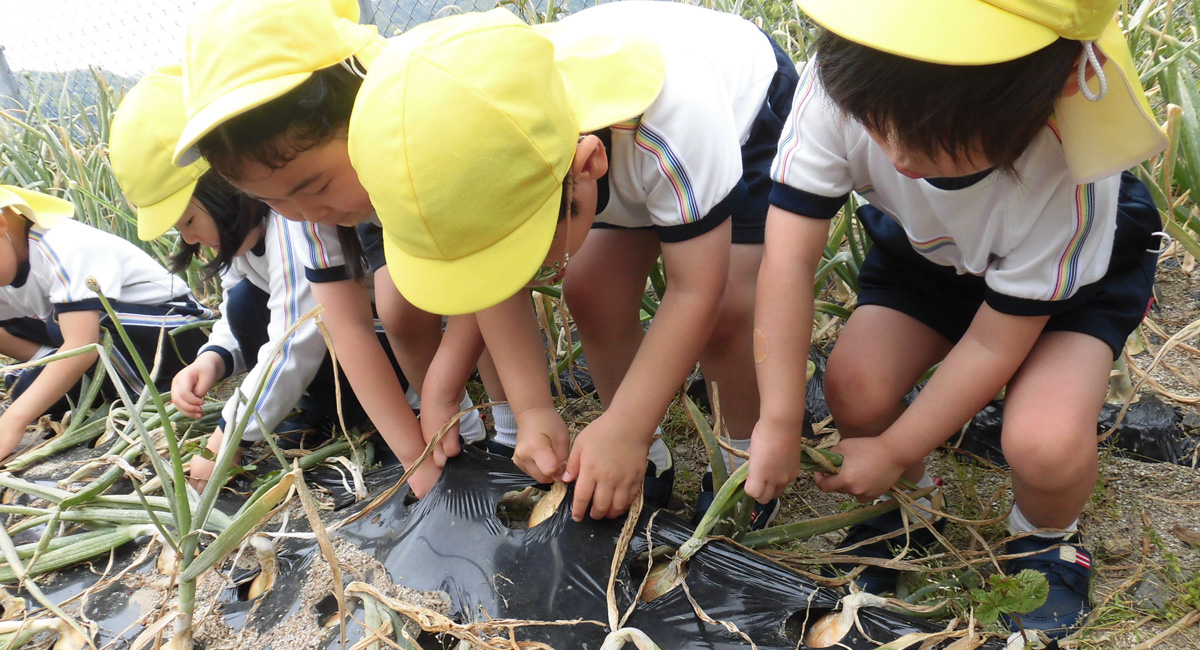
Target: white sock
[43, 351]
[926, 481]
[506, 425]
[731, 461]
[659, 454]
[470, 427]
[1018, 525]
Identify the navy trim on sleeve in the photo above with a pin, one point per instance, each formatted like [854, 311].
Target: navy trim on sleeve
[331, 274]
[1015, 306]
[714, 218]
[806, 204]
[226, 356]
[88, 304]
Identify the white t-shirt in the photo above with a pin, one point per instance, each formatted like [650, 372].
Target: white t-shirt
[325, 260]
[1039, 236]
[279, 271]
[63, 258]
[679, 166]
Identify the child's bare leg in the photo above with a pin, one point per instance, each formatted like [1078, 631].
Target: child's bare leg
[879, 356]
[502, 416]
[1049, 434]
[728, 358]
[17, 347]
[413, 334]
[604, 286]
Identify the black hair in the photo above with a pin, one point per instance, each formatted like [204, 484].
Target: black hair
[568, 190]
[235, 216]
[353, 252]
[933, 108]
[275, 132]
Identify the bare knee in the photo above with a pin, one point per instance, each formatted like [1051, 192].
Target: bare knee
[1049, 453]
[735, 323]
[857, 394]
[592, 308]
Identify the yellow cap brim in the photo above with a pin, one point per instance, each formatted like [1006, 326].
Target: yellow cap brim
[156, 219]
[227, 106]
[954, 32]
[609, 78]
[483, 279]
[43, 210]
[1111, 135]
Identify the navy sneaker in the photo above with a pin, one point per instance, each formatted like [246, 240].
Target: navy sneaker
[302, 429]
[763, 515]
[877, 579]
[658, 487]
[1068, 568]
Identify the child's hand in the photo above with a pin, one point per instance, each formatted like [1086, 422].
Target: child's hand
[423, 480]
[543, 444]
[774, 460]
[435, 415]
[201, 469]
[12, 430]
[868, 469]
[191, 384]
[608, 466]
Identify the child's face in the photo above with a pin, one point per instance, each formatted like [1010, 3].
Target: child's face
[318, 185]
[919, 165]
[591, 163]
[197, 226]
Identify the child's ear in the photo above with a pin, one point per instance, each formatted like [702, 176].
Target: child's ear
[591, 159]
[1072, 85]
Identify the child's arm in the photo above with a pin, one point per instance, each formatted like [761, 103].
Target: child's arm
[79, 328]
[191, 384]
[511, 333]
[351, 325]
[783, 323]
[609, 455]
[462, 344]
[978, 366]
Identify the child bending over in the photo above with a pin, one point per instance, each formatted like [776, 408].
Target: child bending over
[1010, 246]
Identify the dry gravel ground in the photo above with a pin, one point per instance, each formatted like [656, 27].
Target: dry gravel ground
[1148, 576]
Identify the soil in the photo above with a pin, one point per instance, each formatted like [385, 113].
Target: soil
[1147, 576]
[1143, 523]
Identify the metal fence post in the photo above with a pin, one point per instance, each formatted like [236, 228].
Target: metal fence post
[10, 92]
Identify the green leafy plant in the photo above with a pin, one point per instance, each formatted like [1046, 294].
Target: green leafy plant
[1010, 594]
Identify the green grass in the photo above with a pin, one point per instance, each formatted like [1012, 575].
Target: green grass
[67, 156]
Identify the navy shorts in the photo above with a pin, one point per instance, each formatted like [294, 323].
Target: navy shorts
[1108, 309]
[750, 216]
[372, 242]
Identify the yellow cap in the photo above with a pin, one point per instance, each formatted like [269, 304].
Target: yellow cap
[462, 134]
[1100, 138]
[145, 131]
[239, 54]
[43, 210]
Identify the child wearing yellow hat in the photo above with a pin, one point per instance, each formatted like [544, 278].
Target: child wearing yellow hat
[269, 86]
[501, 155]
[261, 264]
[990, 141]
[47, 261]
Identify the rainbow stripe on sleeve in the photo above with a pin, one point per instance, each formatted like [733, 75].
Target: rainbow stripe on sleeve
[1068, 264]
[669, 163]
[59, 271]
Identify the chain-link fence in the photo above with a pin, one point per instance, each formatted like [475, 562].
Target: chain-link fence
[58, 48]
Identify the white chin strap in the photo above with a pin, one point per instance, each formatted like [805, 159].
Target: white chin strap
[355, 68]
[1088, 58]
